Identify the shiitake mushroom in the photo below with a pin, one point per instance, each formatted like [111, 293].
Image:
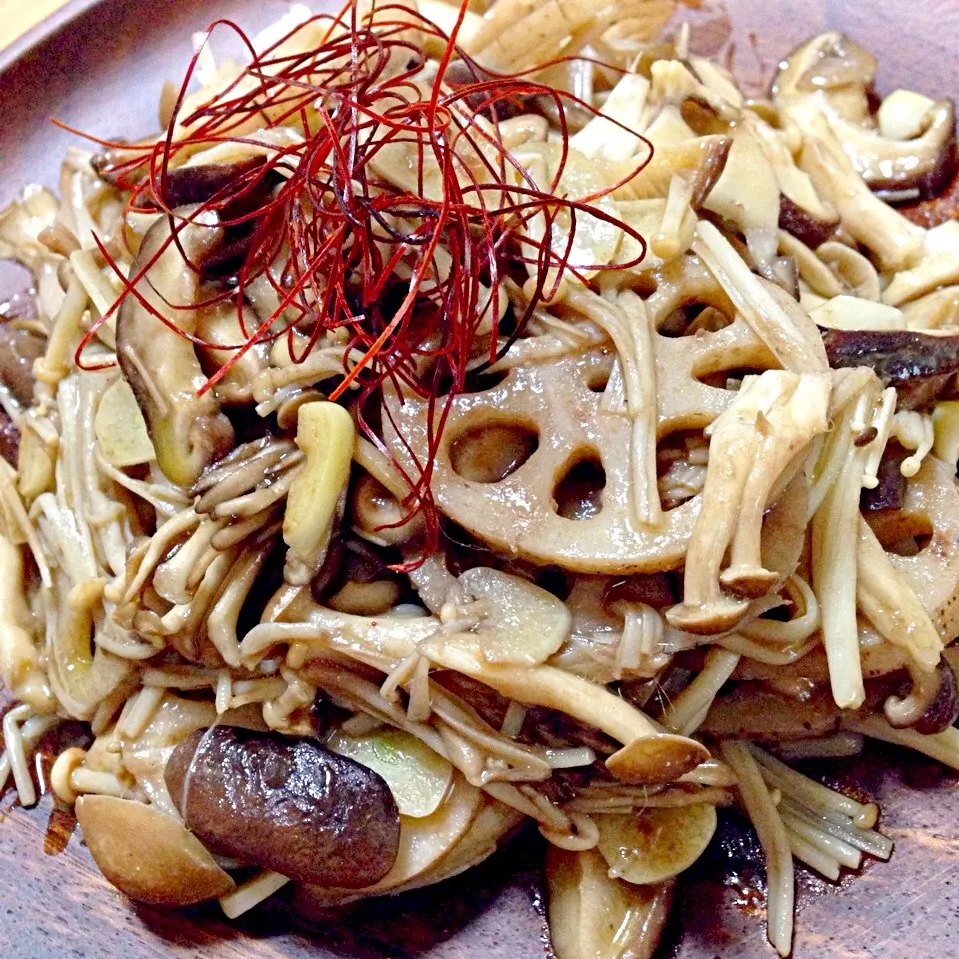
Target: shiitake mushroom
[285, 803]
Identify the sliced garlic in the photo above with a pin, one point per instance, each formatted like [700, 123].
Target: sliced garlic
[325, 433]
[656, 844]
[121, 429]
[418, 778]
[526, 623]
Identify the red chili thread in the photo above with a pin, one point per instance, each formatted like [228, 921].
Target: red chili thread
[342, 247]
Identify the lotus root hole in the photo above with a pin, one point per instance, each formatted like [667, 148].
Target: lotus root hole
[579, 493]
[489, 452]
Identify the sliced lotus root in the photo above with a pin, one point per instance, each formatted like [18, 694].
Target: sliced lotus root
[931, 508]
[551, 415]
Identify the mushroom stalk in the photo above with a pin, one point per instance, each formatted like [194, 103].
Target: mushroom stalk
[157, 357]
[752, 447]
[648, 755]
[896, 243]
[891, 605]
[834, 536]
[797, 348]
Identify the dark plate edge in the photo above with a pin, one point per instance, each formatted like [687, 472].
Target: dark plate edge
[43, 31]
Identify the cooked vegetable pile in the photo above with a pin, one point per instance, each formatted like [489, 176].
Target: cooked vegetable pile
[457, 417]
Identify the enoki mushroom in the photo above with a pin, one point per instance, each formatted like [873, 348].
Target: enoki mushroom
[477, 407]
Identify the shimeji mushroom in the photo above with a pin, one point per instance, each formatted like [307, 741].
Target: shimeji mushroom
[149, 855]
[186, 585]
[754, 446]
[930, 706]
[155, 353]
[647, 755]
[906, 152]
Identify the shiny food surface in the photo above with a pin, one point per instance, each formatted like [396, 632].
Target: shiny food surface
[495, 911]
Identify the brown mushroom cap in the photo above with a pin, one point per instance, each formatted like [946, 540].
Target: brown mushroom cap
[920, 365]
[147, 855]
[930, 706]
[809, 225]
[658, 759]
[943, 711]
[286, 803]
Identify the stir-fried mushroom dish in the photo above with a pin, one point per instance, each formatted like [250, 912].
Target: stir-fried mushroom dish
[461, 416]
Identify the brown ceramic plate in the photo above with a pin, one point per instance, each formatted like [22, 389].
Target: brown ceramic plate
[98, 65]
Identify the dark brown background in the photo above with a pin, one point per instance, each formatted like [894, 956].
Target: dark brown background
[99, 66]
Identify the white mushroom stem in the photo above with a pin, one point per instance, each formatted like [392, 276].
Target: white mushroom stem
[915, 432]
[882, 422]
[774, 840]
[835, 534]
[792, 424]
[628, 324]
[143, 563]
[171, 578]
[185, 618]
[685, 713]
[221, 624]
[798, 349]
[752, 447]
[891, 605]
[734, 443]
[943, 747]
[385, 642]
[186, 425]
[896, 243]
